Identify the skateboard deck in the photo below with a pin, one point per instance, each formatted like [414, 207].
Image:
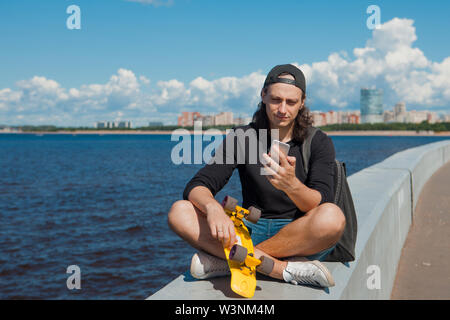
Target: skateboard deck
[243, 278]
[240, 257]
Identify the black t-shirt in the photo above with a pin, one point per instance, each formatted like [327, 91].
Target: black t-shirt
[256, 189]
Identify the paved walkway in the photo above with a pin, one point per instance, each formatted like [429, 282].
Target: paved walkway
[424, 267]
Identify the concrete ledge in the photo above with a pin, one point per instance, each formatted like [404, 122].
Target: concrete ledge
[421, 162]
[385, 196]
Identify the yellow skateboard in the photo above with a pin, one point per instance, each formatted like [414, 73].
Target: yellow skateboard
[240, 257]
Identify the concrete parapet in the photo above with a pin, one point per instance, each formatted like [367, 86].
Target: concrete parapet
[421, 162]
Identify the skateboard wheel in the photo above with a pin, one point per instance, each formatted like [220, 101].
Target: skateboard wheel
[253, 215]
[266, 265]
[238, 253]
[229, 203]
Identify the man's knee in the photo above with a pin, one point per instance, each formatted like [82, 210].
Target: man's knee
[329, 221]
[179, 213]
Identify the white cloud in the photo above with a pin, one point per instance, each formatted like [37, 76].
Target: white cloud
[388, 60]
[144, 80]
[210, 96]
[40, 100]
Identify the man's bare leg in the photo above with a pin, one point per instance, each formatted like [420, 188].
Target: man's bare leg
[190, 224]
[319, 229]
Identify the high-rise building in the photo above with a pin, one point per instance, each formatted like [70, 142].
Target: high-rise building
[187, 118]
[354, 118]
[400, 112]
[112, 124]
[122, 124]
[432, 117]
[400, 108]
[417, 116]
[319, 118]
[208, 121]
[242, 121]
[371, 105]
[223, 118]
[331, 117]
[155, 124]
[388, 116]
[100, 125]
[349, 116]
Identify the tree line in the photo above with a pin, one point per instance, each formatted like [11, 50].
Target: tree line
[423, 126]
[397, 126]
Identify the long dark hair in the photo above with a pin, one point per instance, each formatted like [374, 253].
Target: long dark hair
[301, 122]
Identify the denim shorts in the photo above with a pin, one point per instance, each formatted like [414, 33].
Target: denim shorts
[267, 228]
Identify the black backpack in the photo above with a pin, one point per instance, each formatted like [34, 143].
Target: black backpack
[345, 248]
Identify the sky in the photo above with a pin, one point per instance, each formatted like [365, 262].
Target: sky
[148, 60]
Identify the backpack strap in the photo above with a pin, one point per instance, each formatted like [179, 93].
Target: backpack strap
[306, 147]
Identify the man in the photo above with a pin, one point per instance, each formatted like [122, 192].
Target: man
[299, 225]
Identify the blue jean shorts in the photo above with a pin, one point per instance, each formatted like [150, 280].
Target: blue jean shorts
[267, 228]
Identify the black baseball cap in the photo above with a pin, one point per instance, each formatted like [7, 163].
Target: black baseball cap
[299, 82]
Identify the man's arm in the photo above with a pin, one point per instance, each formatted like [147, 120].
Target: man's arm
[283, 178]
[319, 188]
[202, 198]
[215, 175]
[202, 188]
[303, 197]
[220, 225]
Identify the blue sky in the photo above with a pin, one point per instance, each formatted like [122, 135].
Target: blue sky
[147, 62]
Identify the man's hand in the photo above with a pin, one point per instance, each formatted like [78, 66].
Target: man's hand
[220, 224]
[281, 176]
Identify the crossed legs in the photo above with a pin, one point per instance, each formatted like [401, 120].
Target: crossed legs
[317, 230]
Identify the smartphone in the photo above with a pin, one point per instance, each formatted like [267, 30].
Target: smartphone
[283, 147]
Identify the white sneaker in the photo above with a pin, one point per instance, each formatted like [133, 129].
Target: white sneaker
[308, 272]
[204, 266]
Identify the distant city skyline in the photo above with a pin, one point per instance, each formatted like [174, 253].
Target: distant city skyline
[147, 63]
[396, 113]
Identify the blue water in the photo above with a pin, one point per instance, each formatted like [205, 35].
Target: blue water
[100, 202]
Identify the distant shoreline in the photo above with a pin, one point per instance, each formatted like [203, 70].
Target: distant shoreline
[162, 132]
[388, 133]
